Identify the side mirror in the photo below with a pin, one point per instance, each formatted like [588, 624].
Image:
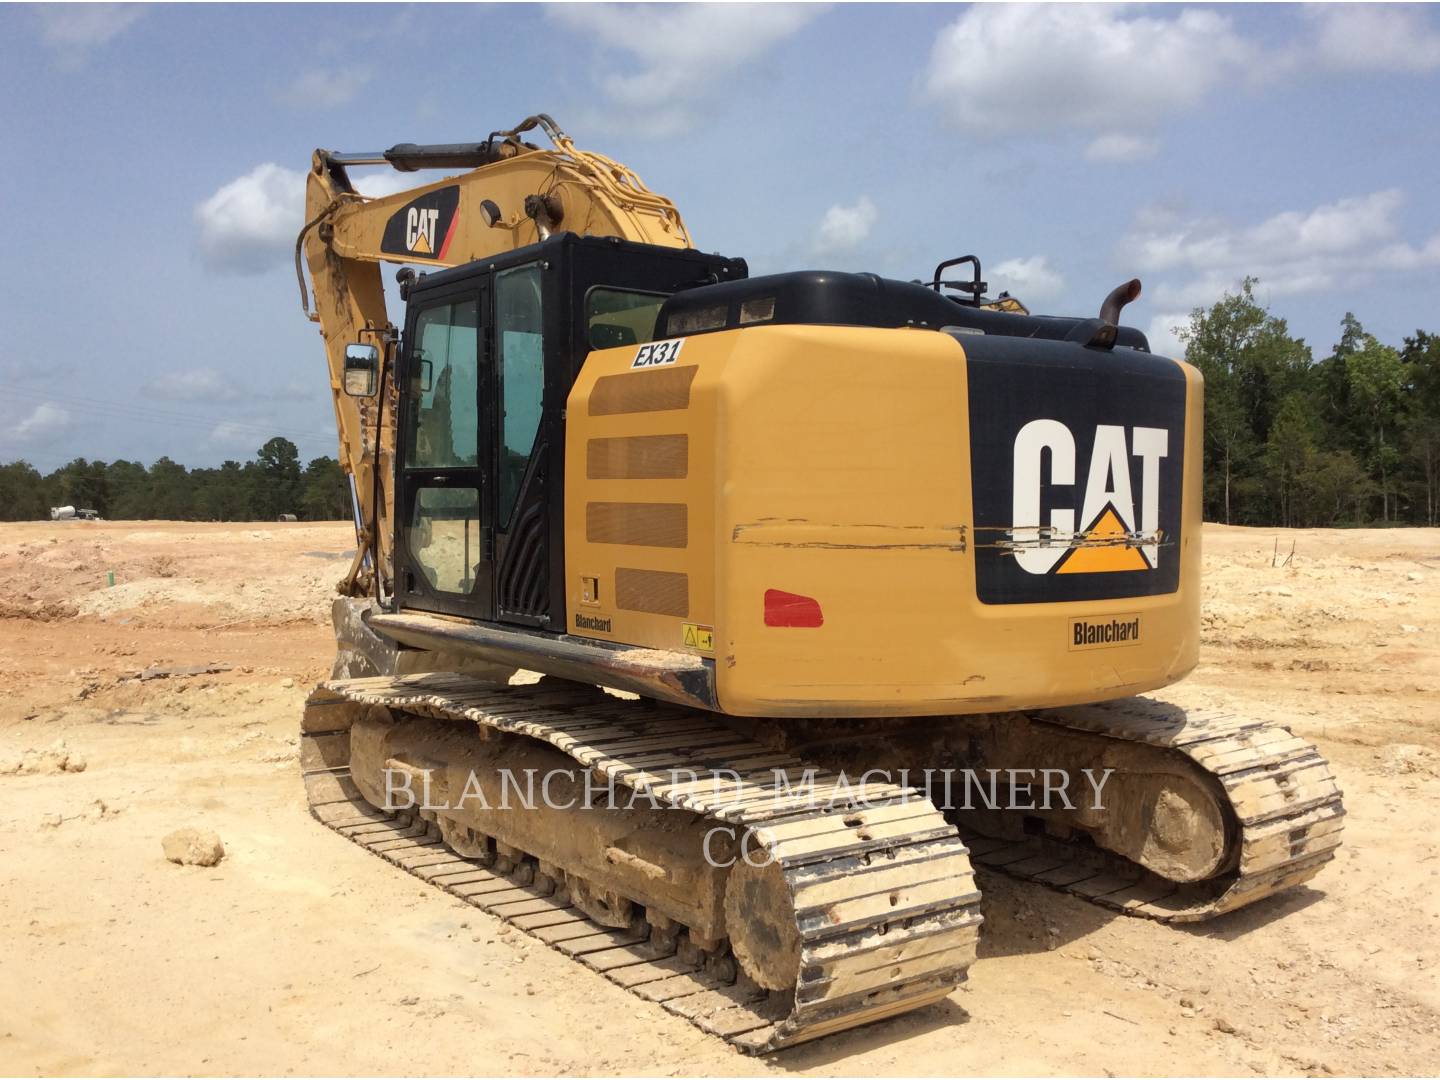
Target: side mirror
[362, 367]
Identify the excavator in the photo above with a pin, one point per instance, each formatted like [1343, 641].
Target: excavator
[760, 580]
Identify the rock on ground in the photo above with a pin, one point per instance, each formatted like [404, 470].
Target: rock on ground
[53, 759]
[193, 847]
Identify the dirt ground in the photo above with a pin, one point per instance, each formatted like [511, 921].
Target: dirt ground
[300, 953]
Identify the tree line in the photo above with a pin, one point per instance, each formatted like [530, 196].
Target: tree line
[1352, 438]
[262, 489]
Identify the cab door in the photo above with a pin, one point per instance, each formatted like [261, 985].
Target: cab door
[525, 457]
[446, 455]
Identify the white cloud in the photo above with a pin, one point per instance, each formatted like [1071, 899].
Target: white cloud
[44, 422]
[1117, 147]
[845, 228]
[1371, 37]
[686, 54]
[321, 88]
[73, 30]
[1031, 280]
[1164, 333]
[236, 435]
[1296, 251]
[250, 224]
[1010, 69]
[195, 384]
[1326, 230]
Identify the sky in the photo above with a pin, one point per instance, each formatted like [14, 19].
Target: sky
[157, 156]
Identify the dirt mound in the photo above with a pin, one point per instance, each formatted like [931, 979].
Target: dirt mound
[197, 574]
[37, 610]
[55, 758]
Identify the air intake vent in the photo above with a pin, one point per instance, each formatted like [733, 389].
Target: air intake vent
[641, 524]
[642, 391]
[638, 457]
[658, 592]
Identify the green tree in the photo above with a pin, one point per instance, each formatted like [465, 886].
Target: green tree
[1376, 379]
[1251, 364]
[170, 492]
[326, 495]
[1289, 456]
[222, 494]
[270, 485]
[22, 493]
[1421, 356]
[81, 484]
[1335, 487]
[277, 478]
[130, 490]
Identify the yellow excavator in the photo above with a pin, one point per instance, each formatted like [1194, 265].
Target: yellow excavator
[835, 584]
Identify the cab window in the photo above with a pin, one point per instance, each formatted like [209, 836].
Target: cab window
[519, 331]
[617, 317]
[444, 432]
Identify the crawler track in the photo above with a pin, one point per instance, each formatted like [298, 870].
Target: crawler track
[1283, 797]
[884, 899]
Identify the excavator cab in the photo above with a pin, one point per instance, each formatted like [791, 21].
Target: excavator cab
[489, 353]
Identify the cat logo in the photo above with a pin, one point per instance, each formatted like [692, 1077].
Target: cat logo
[1111, 537]
[1077, 470]
[423, 227]
[420, 230]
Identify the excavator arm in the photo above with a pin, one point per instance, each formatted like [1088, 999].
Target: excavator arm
[513, 193]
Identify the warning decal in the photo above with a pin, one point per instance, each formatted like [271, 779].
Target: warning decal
[699, 637]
